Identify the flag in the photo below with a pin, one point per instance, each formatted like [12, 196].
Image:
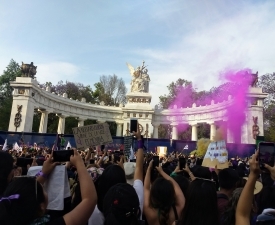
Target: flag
[5, 146]
[68, 145]
[55, 143]
[16, 147]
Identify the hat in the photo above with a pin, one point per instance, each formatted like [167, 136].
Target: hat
[258, 186]
[129, 168]
[121, 202]
[267, 215]
[95, 173]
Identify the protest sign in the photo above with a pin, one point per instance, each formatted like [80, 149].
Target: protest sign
[216, 155]
[92, 135]
[128, 140]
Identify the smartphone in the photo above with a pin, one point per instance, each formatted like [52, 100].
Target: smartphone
[133, 160]
[266, 155]
[23, 162]
[102, 147]
[110, 158]
[92, 161]
[62, 155]
[155, 161]
[133, 125]
[182, 162]
[116, 156]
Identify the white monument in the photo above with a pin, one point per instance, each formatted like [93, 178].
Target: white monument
[28, 95]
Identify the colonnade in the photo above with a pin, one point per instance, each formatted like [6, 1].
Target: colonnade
[62, 120]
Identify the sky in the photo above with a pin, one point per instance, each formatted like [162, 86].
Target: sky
[196, 40]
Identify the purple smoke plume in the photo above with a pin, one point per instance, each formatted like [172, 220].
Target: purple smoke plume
[236, 84]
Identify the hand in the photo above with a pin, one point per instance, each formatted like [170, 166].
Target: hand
[76, 159]
[271, 170]
[177, 169]
[49, 165]
[34, 163]
[120, 163]
[137, 133]
[254, 164]
[187, 169]
[159, 169]
[150, 164]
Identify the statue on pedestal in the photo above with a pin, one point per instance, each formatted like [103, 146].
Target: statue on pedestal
[28, 70]
[140, 78]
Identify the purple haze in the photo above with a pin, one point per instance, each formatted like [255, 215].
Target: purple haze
[235, 84]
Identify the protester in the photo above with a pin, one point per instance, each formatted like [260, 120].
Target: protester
[24, 201]
[6, 170]
[164, 201]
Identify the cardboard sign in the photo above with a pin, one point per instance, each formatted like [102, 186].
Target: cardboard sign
[92, 135]
[216, 155]
[128, 140]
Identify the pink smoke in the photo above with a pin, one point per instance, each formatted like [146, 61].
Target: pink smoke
[236, 84]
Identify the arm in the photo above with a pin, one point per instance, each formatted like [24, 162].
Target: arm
[246, 199]
[101, 159]
[140, 158]
[88, 156]
[82, 212]
[180, 199]
[147, 182]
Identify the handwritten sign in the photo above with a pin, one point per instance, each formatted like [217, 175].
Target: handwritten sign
[216, 155]
[92, 135]
[127, 145]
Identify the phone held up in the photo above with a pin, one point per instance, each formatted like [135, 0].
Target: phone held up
[133, 125]
[62, 155]
[182, 162]
[266, 155]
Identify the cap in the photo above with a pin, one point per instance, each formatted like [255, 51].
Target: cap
[129, 168]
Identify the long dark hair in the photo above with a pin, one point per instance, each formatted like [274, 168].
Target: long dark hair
[162, 198]
[228, 217]
[201, 204]
[6, 166]
[26, 208]
[111, 176]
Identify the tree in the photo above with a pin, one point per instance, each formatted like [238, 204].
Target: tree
[112, 90]
[267, 82]
[12, 71]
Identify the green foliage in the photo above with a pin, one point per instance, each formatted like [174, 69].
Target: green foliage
[12, 71]
[202, 145]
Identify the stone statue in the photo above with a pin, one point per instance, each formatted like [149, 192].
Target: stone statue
[140, 78]
[28, 70]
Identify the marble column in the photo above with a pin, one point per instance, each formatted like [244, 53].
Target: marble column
[61, 124]
[174, 132]
[155, 130]
[80, 122]
[212, 131]
[119, 129]
[43, 121]
[230, 137]
[194, 132]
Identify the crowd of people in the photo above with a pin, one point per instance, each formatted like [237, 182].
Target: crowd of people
[108, 189]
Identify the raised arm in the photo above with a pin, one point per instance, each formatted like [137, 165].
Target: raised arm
[140, 158]
[101, 159]
[243, 210]
[82, 212]
[88, 156]
[180, 199]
